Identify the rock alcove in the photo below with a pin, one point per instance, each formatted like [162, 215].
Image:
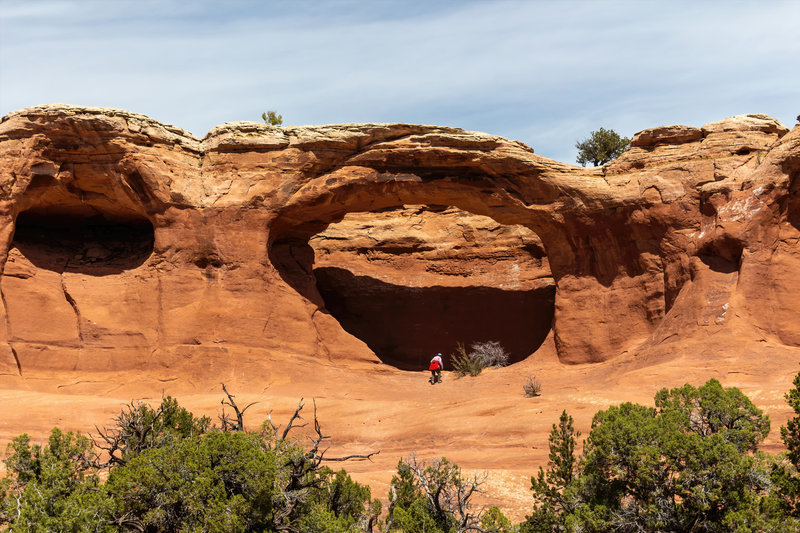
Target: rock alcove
[74, 278]
[414, 280]
[83, 240]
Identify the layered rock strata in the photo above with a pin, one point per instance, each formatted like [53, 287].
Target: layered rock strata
[128, 244]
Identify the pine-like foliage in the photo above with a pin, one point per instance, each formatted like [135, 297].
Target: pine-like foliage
[785, 473]
[550, 487]
[272, 118]
[170, 471]
[688, 464]
[791, 432]
[601, 147]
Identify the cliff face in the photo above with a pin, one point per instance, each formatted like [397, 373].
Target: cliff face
[127, 244]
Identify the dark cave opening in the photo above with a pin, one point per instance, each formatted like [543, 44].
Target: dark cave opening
[406, 326]
[390, 289]
[723, 255]
[83, 240]
[793, 208]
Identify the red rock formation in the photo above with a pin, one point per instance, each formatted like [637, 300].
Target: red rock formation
[129, 242]
[137, 259]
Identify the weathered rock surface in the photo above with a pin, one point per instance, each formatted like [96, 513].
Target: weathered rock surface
[137, 258]
[129, 242]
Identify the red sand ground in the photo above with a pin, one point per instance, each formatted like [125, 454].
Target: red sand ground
[483, 423]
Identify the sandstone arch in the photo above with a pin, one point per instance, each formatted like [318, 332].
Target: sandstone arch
[625, 243]
[590, 249]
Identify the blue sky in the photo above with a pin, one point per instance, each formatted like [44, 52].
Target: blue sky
[542, 72]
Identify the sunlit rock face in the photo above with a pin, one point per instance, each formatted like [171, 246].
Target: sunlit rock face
[128, 244]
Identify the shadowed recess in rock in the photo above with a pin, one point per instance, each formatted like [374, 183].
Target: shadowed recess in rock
[793, 214]
[405, 326]
[722, 255]
[83, 241]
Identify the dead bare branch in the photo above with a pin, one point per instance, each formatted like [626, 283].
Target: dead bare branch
[353, 457]
[128, 436]
[447, 493]
[296, 416]
[228, 424]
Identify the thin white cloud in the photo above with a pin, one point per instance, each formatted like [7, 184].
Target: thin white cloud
[543, 72]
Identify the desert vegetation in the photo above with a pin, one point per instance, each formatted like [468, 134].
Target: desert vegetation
[532, 387]
[601, 147]
[272, 118]
[433, 496]
[690, 462]
[481, 355]
[163, 469]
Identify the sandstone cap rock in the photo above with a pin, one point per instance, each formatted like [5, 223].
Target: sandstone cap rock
[675, 134]
[750, 122]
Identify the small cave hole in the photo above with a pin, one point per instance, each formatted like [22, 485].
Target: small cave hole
[793, 216]
[79, 240]
[722, 255]
[793, 207]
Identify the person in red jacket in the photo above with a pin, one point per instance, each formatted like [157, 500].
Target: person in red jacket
[436, 369]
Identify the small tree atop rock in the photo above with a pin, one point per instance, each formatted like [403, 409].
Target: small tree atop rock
[272, 117]
[601, 147]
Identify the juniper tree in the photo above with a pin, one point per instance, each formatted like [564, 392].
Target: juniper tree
[550, 487]
[601, 147]
[786, 469]
[272, 117]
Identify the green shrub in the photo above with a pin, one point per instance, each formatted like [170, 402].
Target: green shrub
[481, 355]
[214, 482]
[494, 521]
[53, 487]
[552, 488]
[170, 472]
[785, 470]
[139, 427]
[272, 117]
[688, 464]
[601, 147]
[435, 497]
[464, 363]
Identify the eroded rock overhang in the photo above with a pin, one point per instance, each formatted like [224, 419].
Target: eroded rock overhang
[688, 229]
